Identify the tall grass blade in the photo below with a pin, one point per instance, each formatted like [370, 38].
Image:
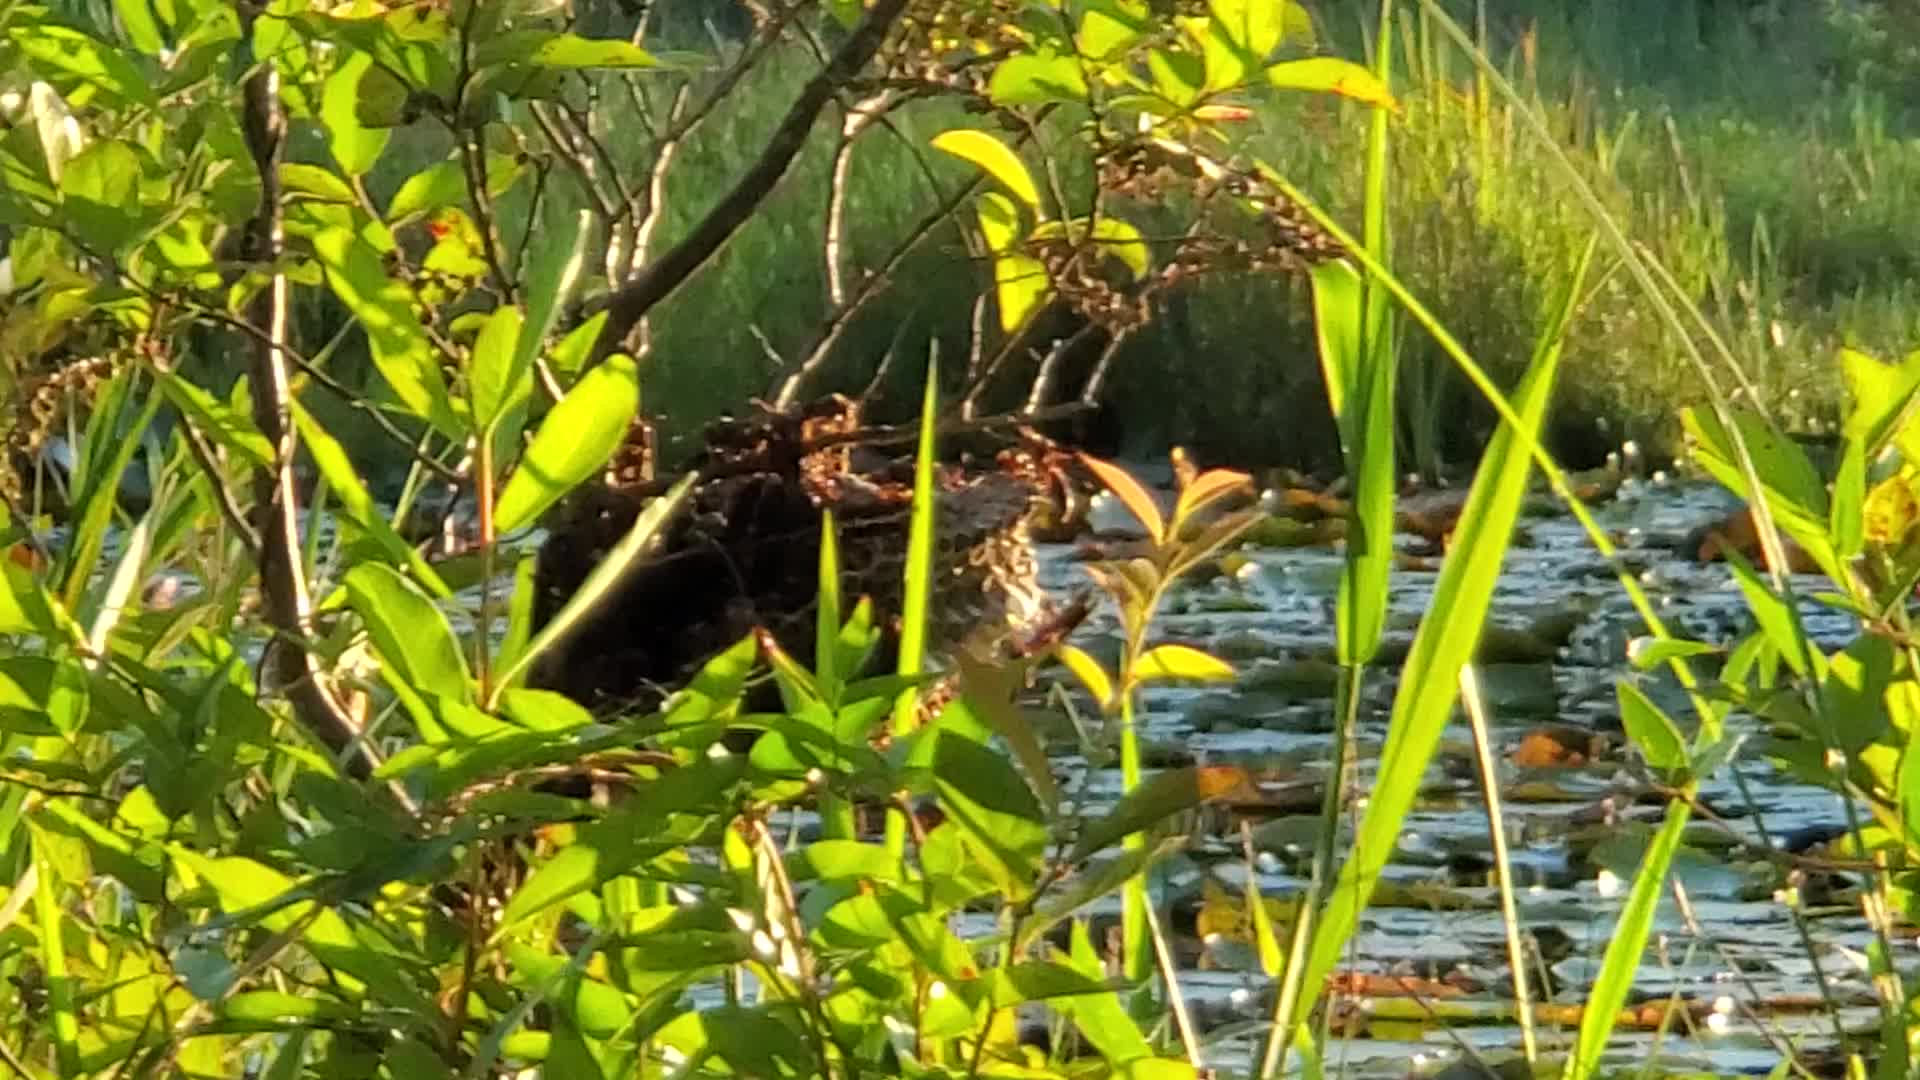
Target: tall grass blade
[836, 816]
[1628, 944]
[599, 583]
[919, 582]
[1442, 647]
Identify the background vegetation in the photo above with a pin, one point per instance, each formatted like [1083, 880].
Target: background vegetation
[1766, 152]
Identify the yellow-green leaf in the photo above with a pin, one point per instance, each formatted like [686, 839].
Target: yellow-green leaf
[994, 158]
[1182, 662]
[575, 439]
[1330, 75]
[1022, 286]
[1089, 672]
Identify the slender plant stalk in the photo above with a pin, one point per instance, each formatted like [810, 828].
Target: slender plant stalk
[1476, 709]
[919, 585]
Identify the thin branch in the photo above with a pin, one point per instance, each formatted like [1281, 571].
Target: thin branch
[222, 494]
[277, 500]
[873, 285]
[633, 300]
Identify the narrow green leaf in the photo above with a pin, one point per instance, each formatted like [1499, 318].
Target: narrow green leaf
[1847, 525]
[1772, 612]
[827, 621]
[918, 593]
[575, 440]
[356, 503]
[555, 271]
[383, 308]
[1445, 643]
[646, 528]
[493, 382]
[1647, 653]
[994, 158]
[410, 632]
[1330, 75]
[1626, 946]
[1651, 729]
[1158, 798]
[985, 797]
[66, 52]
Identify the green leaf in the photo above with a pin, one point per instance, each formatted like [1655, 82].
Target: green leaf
[1111, 26]
[1254, 26]
[227, 426]
[444, 184]
[1035, 78]
[1330, 75]
[1016, 984]
[1882, 394]
[574, 441]
[354, 145]
[1847, 524]
[547, 48]
[253, 893]
[492, 382]
[382, 306]
[999, 222]
[1021, 285]
[23, 601]
[994, 158]
[100, 195]
[570, 354]
[627, 837]
[356, 503]
[1159, 797]
[985, 797]
[1795, 495]
[1650, 728]
[410, 632]
[1101, 1017]
[1627, 945]
[63, 51]
[1089, 672]
[1647, 653]
[555, 271]
[1448, 636]
[143, 30]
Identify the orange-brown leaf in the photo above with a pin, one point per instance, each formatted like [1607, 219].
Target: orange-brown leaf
[1209, 487]
[1128, 490]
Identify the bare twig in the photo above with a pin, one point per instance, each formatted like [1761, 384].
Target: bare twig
[661, 277]
[869, 287]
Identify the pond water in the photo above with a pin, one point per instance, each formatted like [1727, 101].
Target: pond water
[1751, 981]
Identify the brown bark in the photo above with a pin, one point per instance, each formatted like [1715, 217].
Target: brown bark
[283, 582]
